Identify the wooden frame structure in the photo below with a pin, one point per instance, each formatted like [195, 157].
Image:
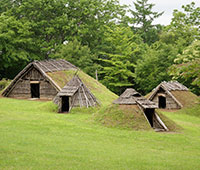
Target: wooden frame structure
[78, 96]
[165, 90]
[36, 72]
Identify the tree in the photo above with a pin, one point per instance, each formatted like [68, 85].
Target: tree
[185, 25]
[15, 44]
[152, 68]
[88, 18]
[78, 55]
[173, 40]
[122, 48]
[189, 16]
[36, 29]
[187, 67]
[142, 20]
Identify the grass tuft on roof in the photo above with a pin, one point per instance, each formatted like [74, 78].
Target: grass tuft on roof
[103, 95]
[186, 98]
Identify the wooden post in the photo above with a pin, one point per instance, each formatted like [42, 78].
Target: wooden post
[96, 75]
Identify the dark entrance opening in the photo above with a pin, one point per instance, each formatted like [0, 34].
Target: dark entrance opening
[35, 90]
[162, 102]
[65, 104]
[149, 114]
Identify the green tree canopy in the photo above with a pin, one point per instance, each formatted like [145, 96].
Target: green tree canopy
[187, 67]
[142, 20]
[152, 68]
[36, 29]
[79, 55]
[123, 48]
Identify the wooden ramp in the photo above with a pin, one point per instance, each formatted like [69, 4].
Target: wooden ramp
[158, 124]
[148, 109]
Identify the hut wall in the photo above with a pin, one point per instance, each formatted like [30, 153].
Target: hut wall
[77, 99]
[80, 98]
[170, 103]
[23, 88]
[47, 90]
[59, 103]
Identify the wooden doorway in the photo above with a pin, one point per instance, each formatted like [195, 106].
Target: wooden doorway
[35, 90]
[162, 102]
[65, 104]
[150, 115]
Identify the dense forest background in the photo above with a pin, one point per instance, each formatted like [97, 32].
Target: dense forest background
[99, 36]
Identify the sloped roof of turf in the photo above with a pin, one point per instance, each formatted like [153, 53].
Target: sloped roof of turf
[103, 95]
[180, 93]
[131, 117]
[122, 116]
[130, 97]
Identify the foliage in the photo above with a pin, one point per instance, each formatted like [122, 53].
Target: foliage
[4, 83]
[152, 68]
[78, 55]
[154, 65]
[142, 20]
[14, 42]
[35, 30]
[190, 16]
[120, 54]
[100, 37]
[187, 66]
[183, 29]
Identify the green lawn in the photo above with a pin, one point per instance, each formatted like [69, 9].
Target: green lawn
[32, 136]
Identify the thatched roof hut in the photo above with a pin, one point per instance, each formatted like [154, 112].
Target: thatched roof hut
[132, 97]
[172, 95]
[128, 97]
[34, 82]
[74, 94]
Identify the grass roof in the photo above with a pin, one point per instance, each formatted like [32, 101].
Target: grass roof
[186, 98]
[122, 116]
[102, 94]
[130, 117]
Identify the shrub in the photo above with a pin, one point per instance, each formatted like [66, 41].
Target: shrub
[4, 83]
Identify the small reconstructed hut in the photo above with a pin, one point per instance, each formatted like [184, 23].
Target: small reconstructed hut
[132, 97]
[74, 94]
[34, 80]
[172, 95]
[128, 97]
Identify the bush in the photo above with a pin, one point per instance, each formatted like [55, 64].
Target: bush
[4, 83]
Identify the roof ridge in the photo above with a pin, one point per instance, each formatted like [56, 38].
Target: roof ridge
[53, 65]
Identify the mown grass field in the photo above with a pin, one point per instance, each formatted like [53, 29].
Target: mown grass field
[33, 136]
